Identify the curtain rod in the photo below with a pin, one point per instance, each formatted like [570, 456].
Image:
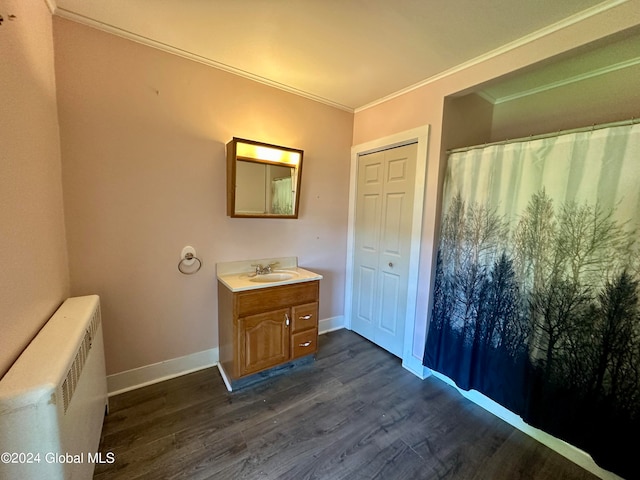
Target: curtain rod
[620, 123]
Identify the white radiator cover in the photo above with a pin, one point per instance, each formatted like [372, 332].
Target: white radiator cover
[54, 398]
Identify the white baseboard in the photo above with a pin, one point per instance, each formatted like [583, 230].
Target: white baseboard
[577, 456]
[158, 372]
[330, 324]
[225, 377]
[149, 374]
[414, 365]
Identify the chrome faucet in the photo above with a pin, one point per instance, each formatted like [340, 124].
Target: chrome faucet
[263, 270]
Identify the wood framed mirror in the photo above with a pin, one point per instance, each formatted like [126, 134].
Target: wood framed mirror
[263, 180]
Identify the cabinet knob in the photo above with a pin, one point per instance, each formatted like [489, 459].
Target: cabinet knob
[286, 316]
[306, 317]
[305, 344]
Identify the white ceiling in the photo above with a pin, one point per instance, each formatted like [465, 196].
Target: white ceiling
[346, 53]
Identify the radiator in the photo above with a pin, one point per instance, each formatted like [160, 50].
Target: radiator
[54, 398]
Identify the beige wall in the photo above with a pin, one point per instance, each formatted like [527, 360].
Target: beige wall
[591, 101]
[143, 136]
[466, 120]
[33, 260]
[425, 105]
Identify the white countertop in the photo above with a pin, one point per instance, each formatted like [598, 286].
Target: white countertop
[239, 276]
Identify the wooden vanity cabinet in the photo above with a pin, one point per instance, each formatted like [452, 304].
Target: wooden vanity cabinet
[266, 327]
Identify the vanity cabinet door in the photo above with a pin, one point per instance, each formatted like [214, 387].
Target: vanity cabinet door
[263, 340]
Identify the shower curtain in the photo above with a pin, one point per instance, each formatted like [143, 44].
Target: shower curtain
[282, 196]
[536, 295]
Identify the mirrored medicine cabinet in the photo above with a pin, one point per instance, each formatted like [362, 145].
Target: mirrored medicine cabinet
[263, 180]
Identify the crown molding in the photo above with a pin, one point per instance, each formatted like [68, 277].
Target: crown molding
[569, 80]
[567, 22]
[486, 96]
[543, 32]
[105, 27]
[51, 5]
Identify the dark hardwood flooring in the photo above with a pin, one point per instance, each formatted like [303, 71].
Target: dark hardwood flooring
[353, 414]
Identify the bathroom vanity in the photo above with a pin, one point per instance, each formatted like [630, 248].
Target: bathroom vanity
[267, 318]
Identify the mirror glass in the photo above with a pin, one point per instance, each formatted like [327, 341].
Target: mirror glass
[263, 179]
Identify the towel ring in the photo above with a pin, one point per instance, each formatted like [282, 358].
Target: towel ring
[189, 256]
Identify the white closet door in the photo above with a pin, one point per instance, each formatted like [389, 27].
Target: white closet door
[384, 206]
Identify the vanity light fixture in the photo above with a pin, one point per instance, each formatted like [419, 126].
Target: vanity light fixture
[268, 154]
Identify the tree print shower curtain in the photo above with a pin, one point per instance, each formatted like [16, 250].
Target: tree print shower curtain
[536, 296]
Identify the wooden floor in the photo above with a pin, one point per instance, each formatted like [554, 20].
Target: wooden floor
[354, 414]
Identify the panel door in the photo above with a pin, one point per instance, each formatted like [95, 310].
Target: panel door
[384, 208]
[264, 340]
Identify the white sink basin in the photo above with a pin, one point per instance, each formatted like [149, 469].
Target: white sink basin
[240, 276]
[281, 276]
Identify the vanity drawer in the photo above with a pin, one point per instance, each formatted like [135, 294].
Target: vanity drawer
[304, 343]
[266, 299]
[305, 316]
